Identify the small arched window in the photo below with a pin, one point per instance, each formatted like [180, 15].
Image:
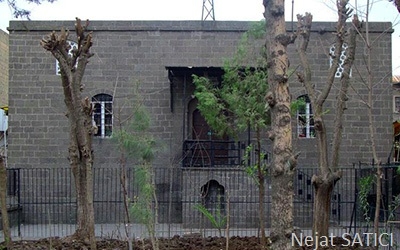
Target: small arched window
[305, 119]
[103, 114]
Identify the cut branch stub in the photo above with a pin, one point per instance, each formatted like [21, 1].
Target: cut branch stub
[300, 77]
[356, 22]
[318, 123]
[59, 46]
[285, 39]
[270, 99]
[304, 23]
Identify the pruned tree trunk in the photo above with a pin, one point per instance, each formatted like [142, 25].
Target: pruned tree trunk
[3, 204]
[329, 171]
[79, 113]
[323, 189]
[278, 100]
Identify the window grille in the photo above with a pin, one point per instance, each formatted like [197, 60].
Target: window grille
[305, 119]
[342, 59]
[103, 114]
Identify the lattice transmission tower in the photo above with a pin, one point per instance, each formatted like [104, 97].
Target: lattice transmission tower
[208, 10]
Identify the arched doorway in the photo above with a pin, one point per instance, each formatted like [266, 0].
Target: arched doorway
[206, 148]
[200, 129]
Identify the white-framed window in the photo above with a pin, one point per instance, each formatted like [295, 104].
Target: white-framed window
[396, 104]
[103, 114]
[73, 45]
[342, 59]
[305, 119]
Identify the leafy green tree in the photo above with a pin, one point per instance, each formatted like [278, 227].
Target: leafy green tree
[20, 12]
[238, 104]
[137, 144]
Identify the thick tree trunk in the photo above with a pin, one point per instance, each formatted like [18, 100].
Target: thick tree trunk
[85, 212]
[81, 162]
[3, 204]
[281, 211]
[279, 100]
[324, 182]
[323, 189]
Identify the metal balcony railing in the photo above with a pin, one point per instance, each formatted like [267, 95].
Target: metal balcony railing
[211, 153]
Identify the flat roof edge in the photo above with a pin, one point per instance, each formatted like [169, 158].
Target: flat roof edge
[178, 26]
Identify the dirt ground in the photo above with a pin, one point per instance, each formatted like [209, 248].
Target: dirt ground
[175, 243]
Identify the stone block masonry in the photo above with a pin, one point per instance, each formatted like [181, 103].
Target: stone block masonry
[4, 50]
[127, 52]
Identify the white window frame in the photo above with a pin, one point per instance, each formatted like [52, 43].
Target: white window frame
[308, 116]
[101, 128]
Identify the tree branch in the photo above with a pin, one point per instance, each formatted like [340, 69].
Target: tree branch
[343, 15]
[303, 32]
[81, 55]
[342, 95]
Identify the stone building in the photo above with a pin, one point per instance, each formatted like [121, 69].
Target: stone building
[162, 56]
[3, 68]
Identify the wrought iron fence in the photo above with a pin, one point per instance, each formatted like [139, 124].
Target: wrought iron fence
[46, 201]
[13, 199]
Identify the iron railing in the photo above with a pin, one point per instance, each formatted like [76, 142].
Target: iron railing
[211, 153]
[47, 204]
[220, 153]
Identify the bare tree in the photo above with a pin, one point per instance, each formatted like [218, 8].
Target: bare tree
[329, 172]
[367, 81]
[21, 12]
[279, 100]
[397, 4]
[79, 114]
[369, 104]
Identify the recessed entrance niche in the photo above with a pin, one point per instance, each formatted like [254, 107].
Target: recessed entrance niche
[213, 197]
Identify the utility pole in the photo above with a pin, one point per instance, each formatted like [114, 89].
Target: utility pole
[208, 10]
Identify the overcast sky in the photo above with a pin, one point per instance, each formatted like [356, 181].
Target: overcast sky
[322, 10]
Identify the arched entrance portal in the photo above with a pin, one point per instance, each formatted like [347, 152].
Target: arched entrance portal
[209, 149]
